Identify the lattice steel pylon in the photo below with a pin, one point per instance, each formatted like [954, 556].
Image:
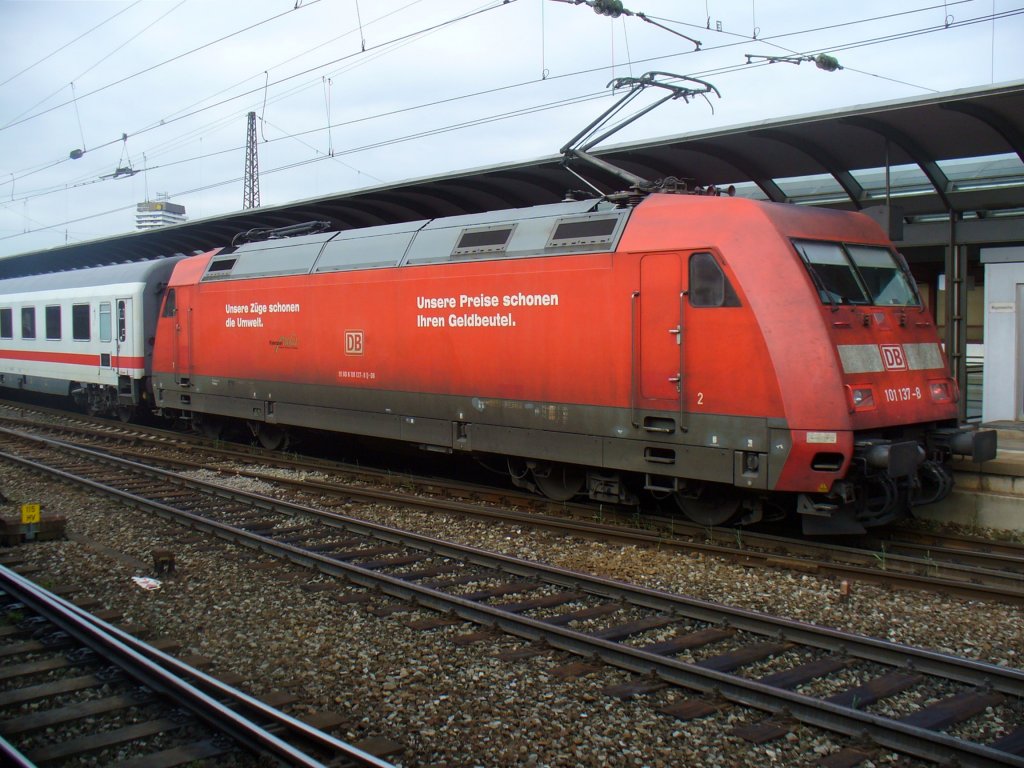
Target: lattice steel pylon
[251, 185]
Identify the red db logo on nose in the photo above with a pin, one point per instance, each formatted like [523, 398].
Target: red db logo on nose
[893, 357]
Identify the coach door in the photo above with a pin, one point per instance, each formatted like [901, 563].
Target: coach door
[124, 352]
[658, 338]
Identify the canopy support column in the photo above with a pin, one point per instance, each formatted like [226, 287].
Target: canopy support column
[956, 310]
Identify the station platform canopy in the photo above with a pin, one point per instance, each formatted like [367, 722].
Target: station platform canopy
[957, 154]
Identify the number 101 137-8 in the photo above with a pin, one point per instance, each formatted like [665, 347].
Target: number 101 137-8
[902, 394]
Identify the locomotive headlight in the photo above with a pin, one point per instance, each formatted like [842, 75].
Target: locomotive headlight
[860, 398]
[941, 391]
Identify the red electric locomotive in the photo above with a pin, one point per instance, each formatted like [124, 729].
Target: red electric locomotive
[739, 356]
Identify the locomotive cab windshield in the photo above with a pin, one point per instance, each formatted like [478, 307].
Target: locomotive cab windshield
[844, 273]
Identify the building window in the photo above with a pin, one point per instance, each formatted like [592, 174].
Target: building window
[28, 322]
[105, 326]
[53, 323]
[6, 323]
[80, 322]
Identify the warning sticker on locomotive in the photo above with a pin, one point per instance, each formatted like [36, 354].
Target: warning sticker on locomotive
[459, 311]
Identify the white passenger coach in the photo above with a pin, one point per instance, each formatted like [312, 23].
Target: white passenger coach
[85, 334]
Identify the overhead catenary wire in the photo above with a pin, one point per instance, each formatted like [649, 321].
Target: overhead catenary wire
[706, 73]
[331, 156]
[838, 25]
[883, 17]
[177, 57]
[290, 59]
[398, 40]
[348, 57]
[68, 44]
[359, 20]
[309, 161]
[135, 36]
[81, 132]
[745, 39]
[420, 135]
[528, 110]
[327, 104]
[171, 119]
[164, 122]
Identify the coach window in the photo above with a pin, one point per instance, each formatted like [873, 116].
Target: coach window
[6, 323]
[80, 322]
[53, 323]
[28, 322]
[709, 287]
[105, 321]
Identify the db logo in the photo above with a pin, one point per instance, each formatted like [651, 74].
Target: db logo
[353, 342]
[893, 357]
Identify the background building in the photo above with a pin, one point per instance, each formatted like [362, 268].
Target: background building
[158, 213]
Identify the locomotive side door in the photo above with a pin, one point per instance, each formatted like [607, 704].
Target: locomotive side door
[658, 336]
[183, 339]
[124, 343]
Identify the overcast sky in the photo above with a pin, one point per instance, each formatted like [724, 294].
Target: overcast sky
[412, 88]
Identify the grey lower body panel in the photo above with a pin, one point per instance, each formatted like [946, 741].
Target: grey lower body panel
[695, 446]
[41, 384]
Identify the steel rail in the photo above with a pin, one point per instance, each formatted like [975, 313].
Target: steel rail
[110, 644]
[11, 757]
[953, 576]
[896, 570]
[994, 549]
[892, 734]
[1005, 679]
[1011, 590]
[984, 570]
[173, 669]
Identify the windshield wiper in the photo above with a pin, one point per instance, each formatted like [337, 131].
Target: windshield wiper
[821, 287]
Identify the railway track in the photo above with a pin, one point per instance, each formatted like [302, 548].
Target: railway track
[976, 569]
[75, 687]
[919, 702]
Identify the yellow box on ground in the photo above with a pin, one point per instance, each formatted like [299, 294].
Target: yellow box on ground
[29, 514]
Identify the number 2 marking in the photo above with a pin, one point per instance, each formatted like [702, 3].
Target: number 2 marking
[700, 398]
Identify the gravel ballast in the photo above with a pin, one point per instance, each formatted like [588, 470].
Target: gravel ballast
[458, 705]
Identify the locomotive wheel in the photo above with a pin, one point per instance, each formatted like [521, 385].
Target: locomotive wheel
[559, 482]
[272, 437]
[709, 503]
[211, 427]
